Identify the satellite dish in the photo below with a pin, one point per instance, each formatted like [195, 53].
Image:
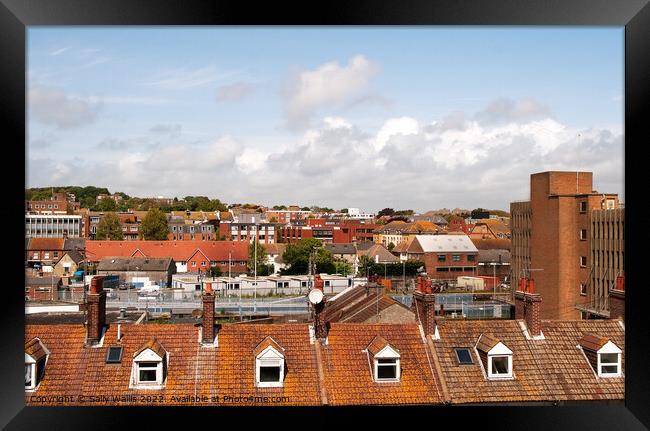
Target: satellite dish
[315, 296]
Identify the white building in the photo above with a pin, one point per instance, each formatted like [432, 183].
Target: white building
[52, 226]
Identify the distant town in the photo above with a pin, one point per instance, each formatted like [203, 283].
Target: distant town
[438, 307]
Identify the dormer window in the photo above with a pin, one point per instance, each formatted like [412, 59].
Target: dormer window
[269, 364]
[385, 359]
[149, 366]
[603, 355]
[495, 357]
[36, 355]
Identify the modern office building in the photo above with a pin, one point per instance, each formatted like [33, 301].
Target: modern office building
[52, 226]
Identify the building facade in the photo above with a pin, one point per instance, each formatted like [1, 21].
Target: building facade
[561, 204]
[607, 256]
[52, 226]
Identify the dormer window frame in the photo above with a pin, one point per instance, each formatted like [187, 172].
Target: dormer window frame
[497, 351]
[149, 357]
[609, 349]
[36, 368]
[385, 358]
[270, 357]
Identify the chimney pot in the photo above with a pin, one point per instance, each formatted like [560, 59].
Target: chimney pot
[425, 310]
[528, 307]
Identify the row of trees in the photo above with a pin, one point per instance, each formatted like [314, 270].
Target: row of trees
[154, 226]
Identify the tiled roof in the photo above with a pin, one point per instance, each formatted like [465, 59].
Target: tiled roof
[492, 244]
[115, 263]
[550, 369]
[34, 348]
[486, 342]
[227, 370]
[341, 248]
[274, 248]
[45, 244]
[494, 256]
[178, 250]
[593, 342]
[74, 244]
[348, 370]
[377, 344]
[268, 341]
[381, 251]
[154, 345]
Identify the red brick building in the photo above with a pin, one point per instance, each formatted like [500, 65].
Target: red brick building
[557, 238]
[445, 257]
[329, 231]
[190, 256]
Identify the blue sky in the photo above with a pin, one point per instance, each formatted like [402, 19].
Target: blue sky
[457, 116]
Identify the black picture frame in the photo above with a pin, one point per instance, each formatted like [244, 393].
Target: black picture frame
[16, 15]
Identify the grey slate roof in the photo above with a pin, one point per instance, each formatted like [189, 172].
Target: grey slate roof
[134, 264]
[493, 256]
[341, 248]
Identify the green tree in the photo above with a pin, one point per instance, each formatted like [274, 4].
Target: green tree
[342, 267]
[364, 266]
[261, 257]
[305, 209]
[215, 271]
[296, 256]
[386, 211]
[105, 205]
[109, 227]
[391, 246]
[154, 226]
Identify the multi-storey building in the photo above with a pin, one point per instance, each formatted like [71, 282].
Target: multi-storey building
[520, 220]
[561, 204]
[52, 226]
[607, 258]
[329, 231]
[129, 221]
[182, 229]
[265, 232]
[397, 232]
[286, 216]
[58, 204]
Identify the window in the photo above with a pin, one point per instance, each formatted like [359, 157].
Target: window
[387, 369]
[36, 355]
[147, 372]
[583, 206]
[609, 364]
[611, 204]
[464, 356]
[499, 358]
[203, 263]
[194, 263]
[471, 258]
[114, 355]
[455, 258]
[583, 261]
[583, 234]
[269, 364]
[442, 258]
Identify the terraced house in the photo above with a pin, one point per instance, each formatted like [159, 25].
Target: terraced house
[427, 361]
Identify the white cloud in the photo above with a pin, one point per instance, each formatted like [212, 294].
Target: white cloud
[456, 161]
[328, 85]
[59, 51]
[51, 105]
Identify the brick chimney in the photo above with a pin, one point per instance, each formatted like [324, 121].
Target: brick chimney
[617, 300]
[320, 323]
[528, 305]
[96, 307]
[208, 315]
[424, 306]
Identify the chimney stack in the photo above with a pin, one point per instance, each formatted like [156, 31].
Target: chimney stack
[528, 305]
[208, 315]
[320, 323]
[617, 300]
[96, 306]
[424, 303]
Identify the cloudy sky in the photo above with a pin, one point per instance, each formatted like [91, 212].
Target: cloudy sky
[409, 117]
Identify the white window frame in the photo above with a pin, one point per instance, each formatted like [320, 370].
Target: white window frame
[390, 354]
[610, 348]
[29, 361]
[499, 351]
[148, 355]
[583, 265]
[583, 237]
[583, 289]
[269, 357]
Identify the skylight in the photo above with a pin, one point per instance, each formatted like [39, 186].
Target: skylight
[114, 355]
[464, 357]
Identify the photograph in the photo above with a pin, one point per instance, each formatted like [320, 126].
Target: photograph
[251, 216]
